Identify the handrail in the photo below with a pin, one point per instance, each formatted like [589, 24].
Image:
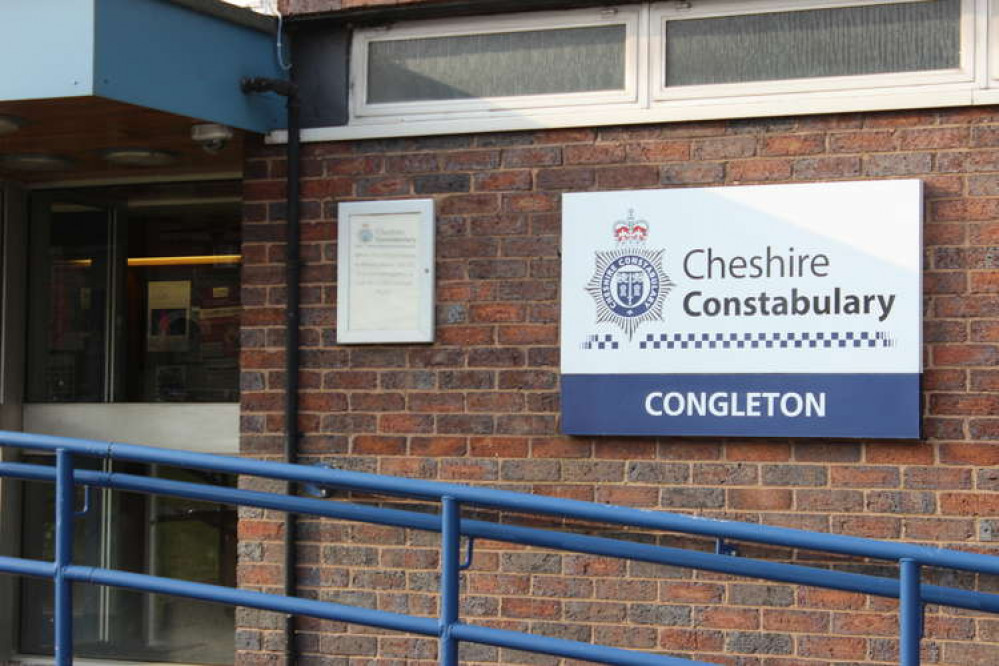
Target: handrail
[909, 589]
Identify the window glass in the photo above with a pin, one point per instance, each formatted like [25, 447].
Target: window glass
[134, 303]
[69, 298]
[182, 296]
[850, 41]
[163, 536]
[501, 64]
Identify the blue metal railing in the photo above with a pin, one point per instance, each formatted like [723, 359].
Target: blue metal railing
[448, 628]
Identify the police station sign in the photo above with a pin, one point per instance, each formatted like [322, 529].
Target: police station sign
[780, 310]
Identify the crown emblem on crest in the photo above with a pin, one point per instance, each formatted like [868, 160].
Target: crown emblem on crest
[631, 230]
[629, 285]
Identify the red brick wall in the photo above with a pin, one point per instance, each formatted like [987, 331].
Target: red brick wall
[481, 404]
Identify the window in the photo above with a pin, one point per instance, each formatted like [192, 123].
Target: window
[664, 61]
[133, 303]
[810, 48]
[566, 58]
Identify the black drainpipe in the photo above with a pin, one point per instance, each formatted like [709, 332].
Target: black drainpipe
[291, 348]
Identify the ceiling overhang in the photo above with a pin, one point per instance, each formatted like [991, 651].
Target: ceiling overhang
[158, 54]
[86, 76]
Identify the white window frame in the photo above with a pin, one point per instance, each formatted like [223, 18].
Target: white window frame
[974, 82]
[663, 13]
[629, 17]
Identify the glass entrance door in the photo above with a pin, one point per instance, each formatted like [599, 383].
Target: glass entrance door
[133, 324]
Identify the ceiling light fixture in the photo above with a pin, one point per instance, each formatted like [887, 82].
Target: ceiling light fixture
[35, 162]
[139, 157]
[10, 124]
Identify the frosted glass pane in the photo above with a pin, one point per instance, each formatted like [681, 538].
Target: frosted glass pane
[876, 39]
[497, 65]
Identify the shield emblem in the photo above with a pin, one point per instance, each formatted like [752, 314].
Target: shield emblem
[630, 287]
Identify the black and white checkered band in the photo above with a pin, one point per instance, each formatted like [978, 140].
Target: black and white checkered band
[832, 340]
[605, 341]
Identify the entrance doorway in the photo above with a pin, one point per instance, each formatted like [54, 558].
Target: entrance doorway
[133, 335]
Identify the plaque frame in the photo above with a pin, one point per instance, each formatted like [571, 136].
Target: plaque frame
[420, 327]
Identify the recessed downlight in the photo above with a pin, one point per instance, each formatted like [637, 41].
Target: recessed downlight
[10, 124]
[140, 157]
[35, 162]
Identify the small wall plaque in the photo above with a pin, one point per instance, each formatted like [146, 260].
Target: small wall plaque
[385, 272]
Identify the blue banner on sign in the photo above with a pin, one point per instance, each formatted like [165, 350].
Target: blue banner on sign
[752, 405]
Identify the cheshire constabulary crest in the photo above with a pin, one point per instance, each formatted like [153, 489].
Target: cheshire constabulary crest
[629, 284]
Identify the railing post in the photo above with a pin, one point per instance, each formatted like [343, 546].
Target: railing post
[63, 587]
[910, 602]
[450, 572]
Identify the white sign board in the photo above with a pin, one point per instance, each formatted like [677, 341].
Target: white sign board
[780, 310]
[385, 272]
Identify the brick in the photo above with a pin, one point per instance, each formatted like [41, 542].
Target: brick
[565, 178]
[465, 424]
[985, 429]
[641, 496]
[794, 475]
[975, 454]
[471, 160]
[795, 621]
[759, 170]
[690, 639]
[835, 501]
[435, 402]
[942, 478]
[746, 594]
[741, 642]
[594, 611]
[689, 592]
[723, 148]
[692, 498]
[496, 402]
[658, 151]
[531, 608]
[375, 445]
[659, 614]
[609, 153]
[900, 453]
[897, 164]
[531, 157]
[438, 183]
[906, 502]
[503, 181]
[969, 504]
[688, 173]
[814, 168]
[762, 499]
[627, 176]
[657, 472]
[469, 204]
[405, 423]
[794, 144]
[721, 617]
[937, 529]
[864, 477]
[758, 451]
[873, 527]
[735, 474]
[377, 402]
[832, 647]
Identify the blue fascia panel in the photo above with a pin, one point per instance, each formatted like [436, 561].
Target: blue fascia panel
[160, 55]
[46, 49]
